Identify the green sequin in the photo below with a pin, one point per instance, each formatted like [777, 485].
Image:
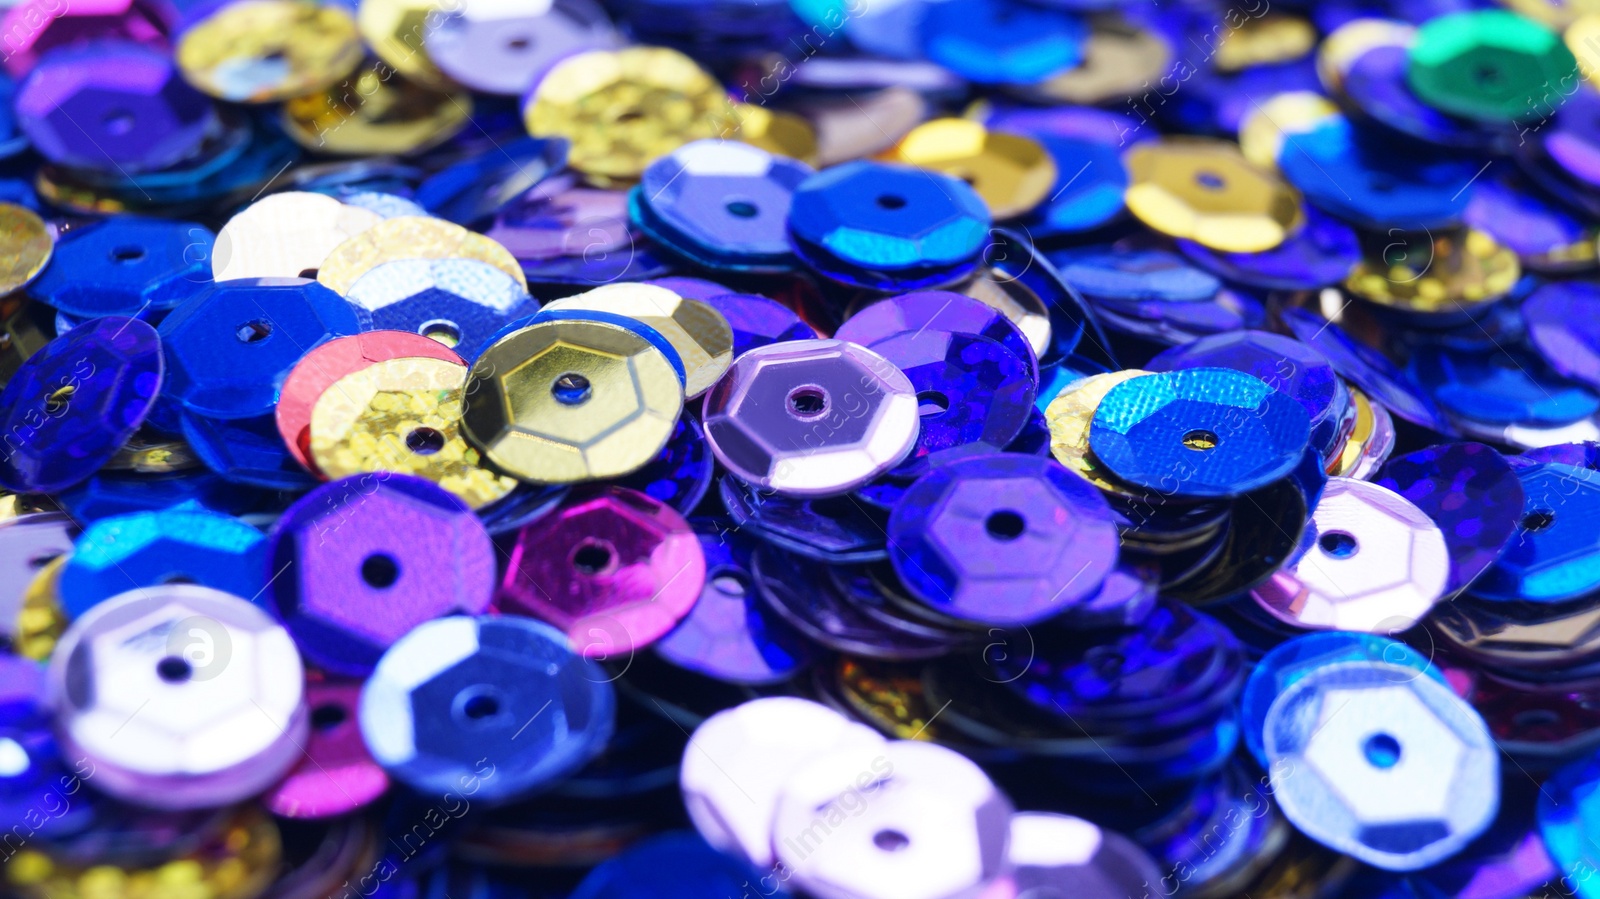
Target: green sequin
[1491, 65]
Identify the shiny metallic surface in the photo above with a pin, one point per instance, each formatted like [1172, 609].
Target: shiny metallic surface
[1375, 563]
[702, 338]
[402, 415]
[564, 401]
[447, 704]
[919, 822]
[811, 417]
[409, 237]
[285, 235]
[1382, 764]
[739, 761]
[613, 568]
[183, 696]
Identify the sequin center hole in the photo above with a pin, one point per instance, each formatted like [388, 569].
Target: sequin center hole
[1538, 520]
[742, 208]
[890, 201]
[424, 441]
[327, 717]
[571, 389]
[1200, 440]
[729, 582]
[1382, 750]
[174, 670]
[932, 402]
[1005, 525]
[127, 254]
[442, 331]
[1338, 544]
[1210, 180]
[477, 704]
[594, 557]
[118, 122]
[253, 331]
[57, 400]
[380, 570]
[890, 840]
[808, 402]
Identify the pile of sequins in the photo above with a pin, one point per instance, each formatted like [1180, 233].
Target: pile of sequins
[856, 449]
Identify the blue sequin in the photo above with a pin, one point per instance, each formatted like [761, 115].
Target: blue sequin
[1555, 554]
[728, 635]
[1201, 432]
[1002, 41]
[1376, 180]
[1135, 275]
[126, 266]
[1569, 819]
[230, 346]
[875, 222]
[1291, 661]
[678, 865]
[75, 402]
[681, 473]
[247, 451]
[148, 548]
[1090, 182]
[1509, 385]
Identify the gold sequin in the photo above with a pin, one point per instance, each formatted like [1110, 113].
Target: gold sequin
[404, 416]
[1206, 191]
[782, 133]
[259, 51]
[623, 109]
[154, 455]
[572, 400]
[411, 237]
[1069, 416]
[1583, 39]
[1012, 173]
[1264, 41]
[375, 111]
[394, 30]
[40, 621]
[1369, 443]
[1120, 60]
[1453, 272]
[702, 337]
[1266, 125]
[20, 335]
[239, 862]
[26, 244]
[890, 697]
[56, 189]
[1554, 13]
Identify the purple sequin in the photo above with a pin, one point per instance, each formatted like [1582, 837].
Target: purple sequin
[1563, 319]
[756, 320]
[1472, 494]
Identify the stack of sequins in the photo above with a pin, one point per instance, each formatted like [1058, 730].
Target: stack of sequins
[453, 450]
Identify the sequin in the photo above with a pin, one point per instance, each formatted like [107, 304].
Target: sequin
[1382, 764]
[1002, 539]
[73, 404]
[1553, 555]
[1199, 432]
[1470, 492]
